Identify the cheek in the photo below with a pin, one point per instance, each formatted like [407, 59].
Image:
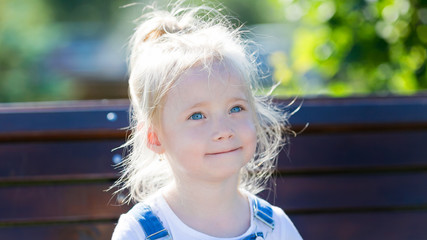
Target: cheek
[249, 136]
[183, 143]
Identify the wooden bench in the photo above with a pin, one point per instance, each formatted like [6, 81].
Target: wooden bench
[358, 171]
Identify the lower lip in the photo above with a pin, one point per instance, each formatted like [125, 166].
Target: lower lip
[234, 150]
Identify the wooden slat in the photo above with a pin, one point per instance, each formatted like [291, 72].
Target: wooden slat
[321, 114]
[72, 231]
[351, 192]
[307, 153]
[63, 120]
[24, 160]
[57, 203]
[367, 225]
[335, 114]
[372, 151]
[22, 124]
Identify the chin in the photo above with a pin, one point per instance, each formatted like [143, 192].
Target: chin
[225, 172]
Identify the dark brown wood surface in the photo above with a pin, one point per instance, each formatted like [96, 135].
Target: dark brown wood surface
[62, 159]
[357, 171]
[79, 230]
[390, 225]
[351, 151]
[56, 163]
[58, 202]
[352, 192]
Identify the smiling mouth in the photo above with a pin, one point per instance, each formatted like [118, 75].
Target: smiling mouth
[229, 151]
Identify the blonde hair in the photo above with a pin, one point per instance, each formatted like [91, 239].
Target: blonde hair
[164, 46]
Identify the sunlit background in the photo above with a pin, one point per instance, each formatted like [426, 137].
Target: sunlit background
[55, 50]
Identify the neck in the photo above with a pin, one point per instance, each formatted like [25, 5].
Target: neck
[202, 205]
[203, 197]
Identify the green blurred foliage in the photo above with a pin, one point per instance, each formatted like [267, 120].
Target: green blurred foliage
[339, 48]
[354, 47]
[26, 36]
[30, 31]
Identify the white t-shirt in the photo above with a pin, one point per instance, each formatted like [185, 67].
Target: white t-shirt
[129, 228]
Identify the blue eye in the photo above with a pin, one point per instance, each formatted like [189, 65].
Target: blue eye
[197, 116]
[236, 109]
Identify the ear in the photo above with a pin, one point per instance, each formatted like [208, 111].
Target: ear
[153, 142]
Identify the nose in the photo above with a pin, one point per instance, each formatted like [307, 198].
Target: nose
[223, 131]
[223, 135]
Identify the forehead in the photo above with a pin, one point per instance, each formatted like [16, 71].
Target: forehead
[199, 84]
[217, 72]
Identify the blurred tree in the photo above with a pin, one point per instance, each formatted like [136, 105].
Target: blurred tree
[338, 47]
[353, 47]
[26, 36]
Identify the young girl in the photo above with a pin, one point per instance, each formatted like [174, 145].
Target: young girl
[202, 144]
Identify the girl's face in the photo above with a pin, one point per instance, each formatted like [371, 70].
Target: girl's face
[207, 129]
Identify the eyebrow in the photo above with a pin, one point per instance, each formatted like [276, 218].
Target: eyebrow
[199, 104]
[234, 99]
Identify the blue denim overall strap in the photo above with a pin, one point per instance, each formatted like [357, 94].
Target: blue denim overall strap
[150, 223]
[254, 236]
[154, 229]
[263, 211]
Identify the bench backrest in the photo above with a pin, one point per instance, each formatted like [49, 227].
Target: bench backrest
[358, 171]
[55, 165]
